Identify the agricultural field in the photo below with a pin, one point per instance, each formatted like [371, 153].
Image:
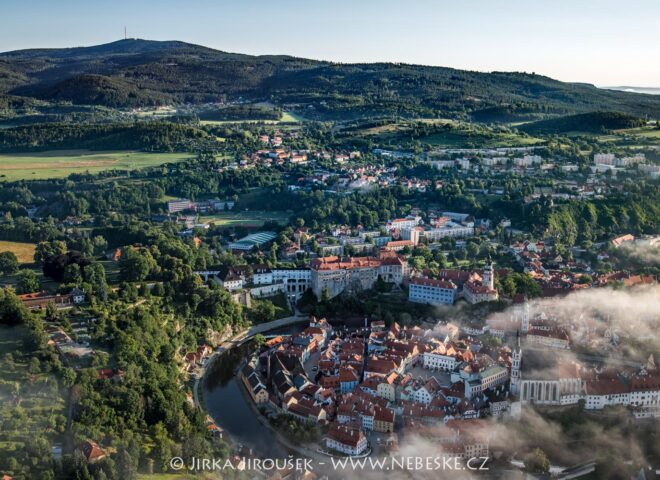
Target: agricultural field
[249, 218]
[161, 113]
[287, 117]
[31, 401]
[62, 163]
[23, 251]
[647, 132]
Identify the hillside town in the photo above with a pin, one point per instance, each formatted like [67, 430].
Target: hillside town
[394, 240]
[422, 318]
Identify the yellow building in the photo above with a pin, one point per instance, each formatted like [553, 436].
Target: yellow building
[383, 419]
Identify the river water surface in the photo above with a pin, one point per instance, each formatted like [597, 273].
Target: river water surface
[227, 402]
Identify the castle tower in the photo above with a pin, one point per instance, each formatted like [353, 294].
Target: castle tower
[488, 278]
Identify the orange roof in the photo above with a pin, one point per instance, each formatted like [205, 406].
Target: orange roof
[274, 341]
[32, 296]
[622, 239]
[335, 263]
[400, 243]
[380, 365]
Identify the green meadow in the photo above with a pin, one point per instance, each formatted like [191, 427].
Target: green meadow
[250, 218]
[62, 163]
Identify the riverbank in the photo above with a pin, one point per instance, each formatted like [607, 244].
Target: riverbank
[238, 339]
[222, 386]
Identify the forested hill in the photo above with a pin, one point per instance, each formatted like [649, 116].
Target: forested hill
[593, 122]
[141, 72]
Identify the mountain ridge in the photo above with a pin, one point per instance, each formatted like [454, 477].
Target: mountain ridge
[145, 72]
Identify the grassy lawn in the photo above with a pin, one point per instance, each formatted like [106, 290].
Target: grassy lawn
[290, 117]
[23, 251]
[250, 218]
[61, 163]
[30, 403]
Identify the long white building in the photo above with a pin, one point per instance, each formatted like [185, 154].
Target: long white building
[431, 291]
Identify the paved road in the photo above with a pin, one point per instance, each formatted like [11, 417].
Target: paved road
[239, 339]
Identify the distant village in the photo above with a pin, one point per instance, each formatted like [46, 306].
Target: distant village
[342, 171]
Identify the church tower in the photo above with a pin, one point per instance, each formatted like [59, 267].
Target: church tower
[524, 324]
[516, 358]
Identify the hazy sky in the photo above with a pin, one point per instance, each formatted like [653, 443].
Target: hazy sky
[605, 42]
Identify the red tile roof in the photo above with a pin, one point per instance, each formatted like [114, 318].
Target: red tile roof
[346, 435]
[431, 282]
[91, 450]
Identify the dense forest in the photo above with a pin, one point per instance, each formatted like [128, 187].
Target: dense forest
[148, 136]
[146, 415]
[101, 90]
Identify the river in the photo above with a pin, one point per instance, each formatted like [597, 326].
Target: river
[228, 406]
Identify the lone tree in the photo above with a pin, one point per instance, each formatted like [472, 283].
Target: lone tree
[27, 281]
[259, 340]
[8, 263]
[537, 461]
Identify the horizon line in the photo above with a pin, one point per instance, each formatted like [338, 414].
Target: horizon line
[400, 62]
